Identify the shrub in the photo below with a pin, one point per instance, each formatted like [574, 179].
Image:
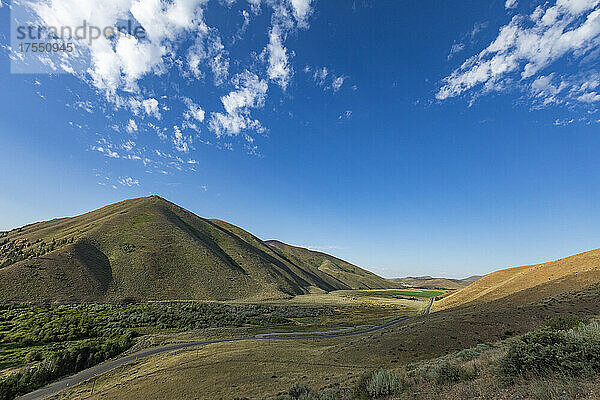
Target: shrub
[127, 247]
[572, 353]
[563, 322]
[590, 331]
[65, 362]
[34, 355]
[473, 353]
[300, 391]
[452, 373]
[378, 384]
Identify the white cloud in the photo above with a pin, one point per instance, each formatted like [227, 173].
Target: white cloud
[136, 59]
[279, 68]
[128, 145]
[151, 107]
[337, 83]
[250, 92]
[589, 97]
[119, 64]
[131, 126]
[242, 30]
[255, 6]
[302, 11]
[193, 111]
[320, 75]
[128, 181]
[345, 115]
[105, 148]
[85, 105]
[141, 107]
[182, 143]
[456, 48]
[478, 27]
[134, 74]
[531, 44]
[543, 90]
[208, 48]
[510, 3]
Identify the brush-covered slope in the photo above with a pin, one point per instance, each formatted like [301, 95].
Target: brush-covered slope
[531, 282]
[427, 282]
[149, 248]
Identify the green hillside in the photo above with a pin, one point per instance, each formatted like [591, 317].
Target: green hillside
[151, 249]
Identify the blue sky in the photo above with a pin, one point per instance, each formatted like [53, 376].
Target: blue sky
[411, 138]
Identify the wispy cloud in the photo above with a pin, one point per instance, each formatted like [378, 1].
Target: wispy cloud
[526, 54]
[345, 115]
[456, 48]
[128, 181]
[324, 78]
[182, 143]
[209, 50]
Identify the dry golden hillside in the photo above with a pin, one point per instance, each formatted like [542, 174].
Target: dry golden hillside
[567, 274]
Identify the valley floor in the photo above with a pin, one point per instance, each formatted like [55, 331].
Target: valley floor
[31, 332]
[260, 369]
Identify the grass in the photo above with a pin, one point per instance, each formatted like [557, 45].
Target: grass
[221, 371]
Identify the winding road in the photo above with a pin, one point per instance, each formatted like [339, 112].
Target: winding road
[107, 366]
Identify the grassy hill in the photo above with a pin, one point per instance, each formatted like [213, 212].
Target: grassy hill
[341, 272]
[151, 249]
[428, 282]
[530, 282]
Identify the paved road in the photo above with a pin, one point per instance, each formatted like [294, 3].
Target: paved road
[428, 309]
[99, 369]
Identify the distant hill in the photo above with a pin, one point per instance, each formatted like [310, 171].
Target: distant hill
[530, 283]
[427, 282]
[151, 249]
[341, 271]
